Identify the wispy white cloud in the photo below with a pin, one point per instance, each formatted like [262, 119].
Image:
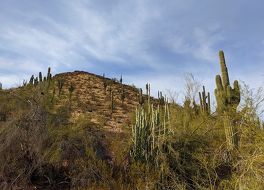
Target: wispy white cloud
[200, 43]
[168, 38]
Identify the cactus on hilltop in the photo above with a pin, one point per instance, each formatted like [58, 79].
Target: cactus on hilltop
[49, 74]
[227, 98]
[121, 79]
[31, 80]
[40, 77]
[205, 103]
[161, 98]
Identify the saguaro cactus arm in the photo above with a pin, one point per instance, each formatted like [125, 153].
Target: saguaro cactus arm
[224, 70]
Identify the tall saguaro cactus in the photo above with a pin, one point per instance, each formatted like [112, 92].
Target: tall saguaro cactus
[227, 98]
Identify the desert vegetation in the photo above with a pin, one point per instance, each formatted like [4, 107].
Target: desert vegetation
[83, 131]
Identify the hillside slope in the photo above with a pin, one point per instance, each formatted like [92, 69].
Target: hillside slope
[78, 130]
[92, 96]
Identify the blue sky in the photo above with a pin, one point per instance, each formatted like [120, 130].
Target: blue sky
[156, 41]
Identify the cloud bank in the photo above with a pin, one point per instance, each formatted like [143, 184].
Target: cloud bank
[145, 41]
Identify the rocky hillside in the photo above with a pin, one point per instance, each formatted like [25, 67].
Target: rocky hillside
[107, 102]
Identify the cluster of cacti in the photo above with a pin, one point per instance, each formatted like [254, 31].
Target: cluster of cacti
[49, 75]
[36, 80]
[205, 103]
[227, 98]
[161, 98]
[150, 133]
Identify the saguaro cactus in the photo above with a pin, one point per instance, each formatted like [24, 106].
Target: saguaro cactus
[121, 79]
[227, 97]
[161, 98]
[31, 80]
[49, 74]
[140, 97]
[205, 104]
[40, 77]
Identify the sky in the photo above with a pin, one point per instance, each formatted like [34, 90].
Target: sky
[145, 41]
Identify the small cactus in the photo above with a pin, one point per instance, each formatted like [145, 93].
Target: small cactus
[205, 104]
[121, 80]
[31, 80]
[123, 95]
[60, 85]
[49, 74]
[40, 77]
[148, 92]
[24, 83]
[71, 89]
[140, 98]
[161, 98]
[112, 101]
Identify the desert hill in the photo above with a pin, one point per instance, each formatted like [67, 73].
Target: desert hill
[79, 130]
[93, 96]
